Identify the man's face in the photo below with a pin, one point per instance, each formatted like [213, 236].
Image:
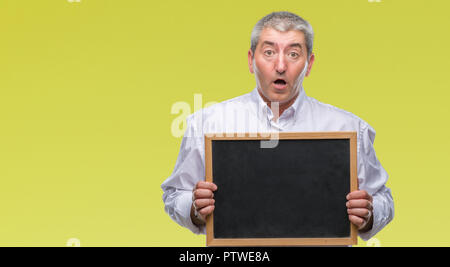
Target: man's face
[278, 62]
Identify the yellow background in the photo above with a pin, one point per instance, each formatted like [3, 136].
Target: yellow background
[86, 91]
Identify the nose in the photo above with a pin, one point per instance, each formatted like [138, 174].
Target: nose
[280, 64]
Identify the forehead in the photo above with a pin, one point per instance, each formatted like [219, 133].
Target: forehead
[281, 38]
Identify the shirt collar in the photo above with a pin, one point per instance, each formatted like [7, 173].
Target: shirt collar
[295, 107]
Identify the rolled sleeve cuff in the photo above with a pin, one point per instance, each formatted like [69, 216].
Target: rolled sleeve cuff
[184, 203]
[378, 222]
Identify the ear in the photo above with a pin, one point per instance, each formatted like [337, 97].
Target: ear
[311, 61]
[250, 61]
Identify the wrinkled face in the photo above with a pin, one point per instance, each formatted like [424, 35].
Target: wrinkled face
[280, 64]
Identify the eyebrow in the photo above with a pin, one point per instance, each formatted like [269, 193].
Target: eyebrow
[299, 45]
[296, 45]
[268, 43]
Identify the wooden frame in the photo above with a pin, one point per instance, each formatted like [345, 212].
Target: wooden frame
[351, 240]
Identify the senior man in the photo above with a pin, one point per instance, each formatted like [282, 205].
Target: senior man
[280, 56]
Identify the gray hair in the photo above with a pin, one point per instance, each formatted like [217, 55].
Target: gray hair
[283, 21]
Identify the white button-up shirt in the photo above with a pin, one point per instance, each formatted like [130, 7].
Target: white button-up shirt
[250, 114]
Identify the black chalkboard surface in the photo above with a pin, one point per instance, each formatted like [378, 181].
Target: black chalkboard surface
[291, 193]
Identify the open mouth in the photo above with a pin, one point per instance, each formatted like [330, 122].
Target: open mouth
[280, 84]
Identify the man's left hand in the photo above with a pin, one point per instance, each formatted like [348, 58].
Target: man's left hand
[360, 209]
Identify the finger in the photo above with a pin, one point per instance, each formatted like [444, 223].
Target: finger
[204, 202]
[203, 193]
[361, 194]
[363, 213]
[206, 210]
[358, 221]
[359, 203]
[206, 185]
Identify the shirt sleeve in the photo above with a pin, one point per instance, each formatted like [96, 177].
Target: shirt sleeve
[372, 177]
[189, 169]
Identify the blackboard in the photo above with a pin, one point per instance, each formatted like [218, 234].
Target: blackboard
[291, 193]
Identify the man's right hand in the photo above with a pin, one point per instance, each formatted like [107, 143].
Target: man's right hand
[202, 201]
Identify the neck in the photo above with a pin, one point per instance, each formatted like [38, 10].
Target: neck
[281, 106]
